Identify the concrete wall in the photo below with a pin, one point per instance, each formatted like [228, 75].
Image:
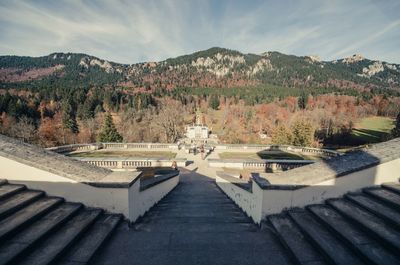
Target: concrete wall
[261, 202]
[274, 201]
[129, 201]
[145, 199]
[249, 202]
[111, 199]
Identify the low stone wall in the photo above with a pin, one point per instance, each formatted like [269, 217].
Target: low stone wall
[285, 148]
[265, 164]
[130, 163]
[76, 181]
[113, 146]
[272, 193]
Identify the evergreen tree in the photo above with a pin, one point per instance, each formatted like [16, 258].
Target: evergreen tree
[282, 135]
[109, 133]
[214, 102]
[69, 117]
[396, 129]
[302, 101]
[303, 133]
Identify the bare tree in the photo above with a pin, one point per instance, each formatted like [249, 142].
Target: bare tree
[24, 129]
[170, 120]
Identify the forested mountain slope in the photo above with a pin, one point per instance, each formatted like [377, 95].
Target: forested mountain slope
[215, 67]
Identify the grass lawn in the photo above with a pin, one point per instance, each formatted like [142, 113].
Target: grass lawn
[264, 155]
[372, 130]
[136, 154]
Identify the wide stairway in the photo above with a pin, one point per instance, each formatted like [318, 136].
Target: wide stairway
[361, 228]
[195, 224]
[38, 229]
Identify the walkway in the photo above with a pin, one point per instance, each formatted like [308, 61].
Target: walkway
[195, 224]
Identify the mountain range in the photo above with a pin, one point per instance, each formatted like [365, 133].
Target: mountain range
[215, 67]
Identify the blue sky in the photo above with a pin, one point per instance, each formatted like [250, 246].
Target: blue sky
[135, 31]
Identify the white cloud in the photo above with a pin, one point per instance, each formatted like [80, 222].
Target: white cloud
[132, 31]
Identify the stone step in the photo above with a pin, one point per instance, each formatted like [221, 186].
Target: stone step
[371, 223]
[8, 190]
[18, 201]
[378, 208]
[3, 182]
[211, 220]
[384, 195]
[48, 250]
[197, 227]
[189, 206]
[26, 216]
[198, 210]
[190, 202]
[194, 213]
[83, 250]
[366, 246]
[294, 240]
[20, 244]
[395, 187]
[323, 240]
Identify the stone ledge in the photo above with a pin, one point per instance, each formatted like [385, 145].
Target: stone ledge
[63, 166]
[241, 183]
[335, 167]
[150, 182]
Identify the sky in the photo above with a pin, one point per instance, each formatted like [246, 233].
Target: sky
[138, 31]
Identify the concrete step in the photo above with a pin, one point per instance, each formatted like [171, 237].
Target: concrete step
[83, 250]
[18, 201]
[3, 182]
[210, 220]
[376, 207]
[8, 190]
[198, 210]
[58, 243]
[294, 240]
[394, 186]
[372, 224]
[26, 216]
[323, 240]
[195, 213]
[196, 227]
[197, 199]
[20, 244]
[187, 202]
[183, 207]
[367, 247]
[384, 195]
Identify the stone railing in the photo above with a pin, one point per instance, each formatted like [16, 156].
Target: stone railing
[75, 147]
[265, 164]
[112, 146]
[314, 183]
[285, 148]
[58, 175]
[131, 163]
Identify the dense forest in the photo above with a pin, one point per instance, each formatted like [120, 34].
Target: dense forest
[68, 98]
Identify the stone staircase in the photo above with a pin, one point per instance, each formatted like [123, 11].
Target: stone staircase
[360, 228]
[39, 229]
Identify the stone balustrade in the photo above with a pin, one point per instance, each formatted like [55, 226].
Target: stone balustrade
[122, 163]
[265, 164]
[112, 146]
[285, 148]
